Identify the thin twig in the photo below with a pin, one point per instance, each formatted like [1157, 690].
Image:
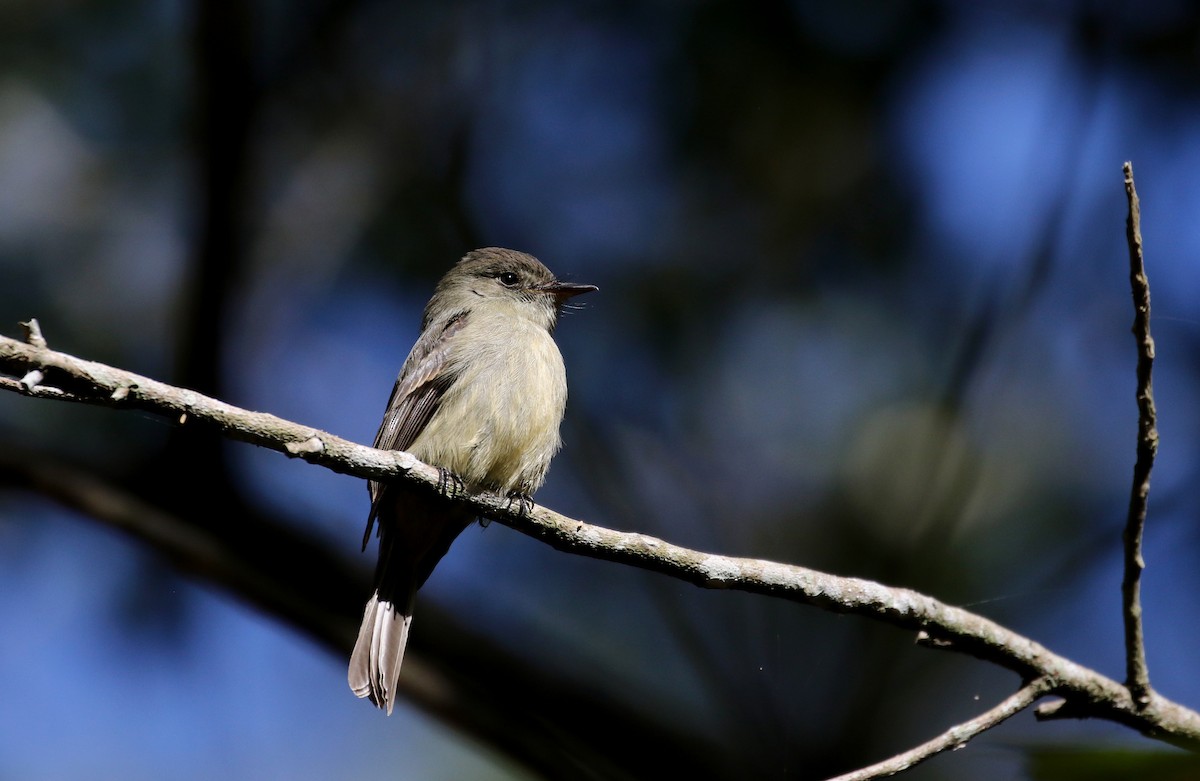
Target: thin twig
[33, 332]
[1093, 695]
[954, 738]
[1137, 676]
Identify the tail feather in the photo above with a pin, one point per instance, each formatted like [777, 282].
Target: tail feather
[415, 531]
[375, 664]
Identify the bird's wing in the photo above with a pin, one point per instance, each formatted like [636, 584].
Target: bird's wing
[423, 381]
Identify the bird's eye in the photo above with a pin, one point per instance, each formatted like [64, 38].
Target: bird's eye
[508, 278]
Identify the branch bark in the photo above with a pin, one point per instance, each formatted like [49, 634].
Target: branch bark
[1137, 675]
[1088, 693]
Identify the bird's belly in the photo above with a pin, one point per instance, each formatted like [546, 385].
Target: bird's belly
[497, 428]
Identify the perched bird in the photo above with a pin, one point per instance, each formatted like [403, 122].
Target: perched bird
[481, 397]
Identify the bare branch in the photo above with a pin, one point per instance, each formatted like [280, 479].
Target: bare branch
[1091, 694]
[33, 333]
[954, 738]
[1137, 675]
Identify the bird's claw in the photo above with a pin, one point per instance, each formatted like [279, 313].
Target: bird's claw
[523, 501]
[449, 484]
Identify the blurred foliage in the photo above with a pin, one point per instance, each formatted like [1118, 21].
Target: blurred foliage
[863, 308]
[1066, 764]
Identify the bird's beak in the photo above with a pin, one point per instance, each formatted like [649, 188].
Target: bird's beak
[564, 290]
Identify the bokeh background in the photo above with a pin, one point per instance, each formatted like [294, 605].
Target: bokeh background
[864, 307]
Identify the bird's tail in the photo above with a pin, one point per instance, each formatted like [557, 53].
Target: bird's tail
[379, 650]
[415, 531]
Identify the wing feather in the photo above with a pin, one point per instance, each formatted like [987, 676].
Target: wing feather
[423, 381]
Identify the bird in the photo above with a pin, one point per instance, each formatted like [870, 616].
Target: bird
[481, 397]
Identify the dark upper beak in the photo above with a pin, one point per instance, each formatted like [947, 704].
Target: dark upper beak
[564, 290]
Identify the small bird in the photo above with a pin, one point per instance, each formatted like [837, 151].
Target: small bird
[480, 396]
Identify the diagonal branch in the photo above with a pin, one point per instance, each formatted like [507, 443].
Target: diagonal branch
[954, 738]
[456, 673]
[1090, 693]
[1137, 676]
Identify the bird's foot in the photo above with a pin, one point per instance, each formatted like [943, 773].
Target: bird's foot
[449, 484]
[523, 502]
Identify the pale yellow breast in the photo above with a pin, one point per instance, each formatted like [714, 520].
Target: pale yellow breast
[497, 427]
